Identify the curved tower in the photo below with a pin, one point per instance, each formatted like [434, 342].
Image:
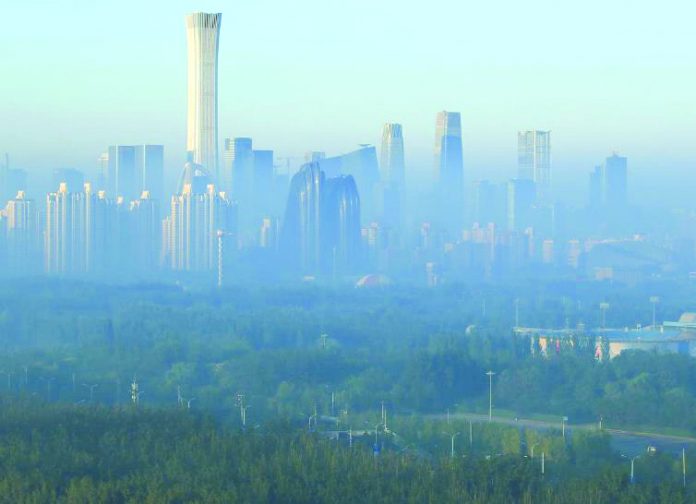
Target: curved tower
[203, 34]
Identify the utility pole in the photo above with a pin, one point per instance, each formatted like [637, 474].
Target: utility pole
[563, 422]
[471, 434]
[490, 395]
[684, 467]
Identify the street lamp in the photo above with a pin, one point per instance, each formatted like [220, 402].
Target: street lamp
[654, 300]
[517, 312]
[603, 307]
[490, 395]
[452, 437]
[632, 459]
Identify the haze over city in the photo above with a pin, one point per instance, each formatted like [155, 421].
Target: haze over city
[325, 75]
[340, 252]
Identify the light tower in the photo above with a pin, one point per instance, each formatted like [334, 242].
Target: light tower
[203, 35]
[654, 300]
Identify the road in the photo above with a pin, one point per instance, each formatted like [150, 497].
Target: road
[630, 442]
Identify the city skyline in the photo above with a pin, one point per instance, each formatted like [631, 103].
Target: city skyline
[585, 127]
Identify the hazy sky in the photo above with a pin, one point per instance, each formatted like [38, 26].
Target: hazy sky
[324, 75]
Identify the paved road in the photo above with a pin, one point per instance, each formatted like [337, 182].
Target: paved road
[622, 440]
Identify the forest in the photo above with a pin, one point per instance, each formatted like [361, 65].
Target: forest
[163, 393]
[77, 454]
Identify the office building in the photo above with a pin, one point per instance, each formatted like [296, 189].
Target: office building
[392, 162]
[449, 170]
[203, 35]
[534, 160]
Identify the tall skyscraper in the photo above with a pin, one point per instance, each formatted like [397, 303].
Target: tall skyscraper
[534, 160]
[449, 169]
[321, 229]
[392, 155]
[238, 167]
[122, 173]
[340, 233]
[203, 35]
[300, 238]
[615, 182]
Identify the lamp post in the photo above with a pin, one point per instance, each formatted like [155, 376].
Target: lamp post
[490, 395]
[633, 460]
[654, 300]
[517, 312]
[452, 437]
[603, 307]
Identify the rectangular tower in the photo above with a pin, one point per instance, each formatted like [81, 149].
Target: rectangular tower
[534, 160]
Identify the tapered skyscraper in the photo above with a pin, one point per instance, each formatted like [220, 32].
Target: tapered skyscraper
[203, 34]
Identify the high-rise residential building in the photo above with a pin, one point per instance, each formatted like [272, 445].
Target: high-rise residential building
[534, 160]
[203, 35]
[449, 169]
[22, 235]
[145, 243]
[193, 224]
[392, 162]
[57, 233]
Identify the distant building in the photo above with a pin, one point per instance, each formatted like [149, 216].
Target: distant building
[534, 160]
[615, 182]
[193, 225]
[321, 229]
[74, 179]
[449, 169]
[22, 235]
[521, 194]
[203, 35]
[392, 162]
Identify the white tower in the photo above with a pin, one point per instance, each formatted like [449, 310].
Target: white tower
[203, 34]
